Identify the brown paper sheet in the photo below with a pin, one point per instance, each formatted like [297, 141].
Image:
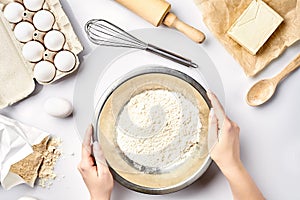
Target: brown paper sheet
[219, 15]
[28, 168]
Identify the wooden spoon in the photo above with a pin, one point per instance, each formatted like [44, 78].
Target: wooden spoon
[263, 90]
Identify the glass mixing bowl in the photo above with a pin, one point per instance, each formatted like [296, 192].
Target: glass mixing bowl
[136, 176]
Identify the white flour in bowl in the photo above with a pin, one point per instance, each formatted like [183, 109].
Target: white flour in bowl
[158, 128]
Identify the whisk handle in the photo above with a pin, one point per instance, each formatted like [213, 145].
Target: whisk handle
[170, 55]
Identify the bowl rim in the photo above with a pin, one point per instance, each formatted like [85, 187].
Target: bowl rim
[142, 70]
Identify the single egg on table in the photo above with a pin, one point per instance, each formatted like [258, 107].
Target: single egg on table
[33, 5]
[44, 71]
[54, 40]
[13, 12]
[33, 51]
[43, 20]
[64, 61]
[24, 31]
[58, 107]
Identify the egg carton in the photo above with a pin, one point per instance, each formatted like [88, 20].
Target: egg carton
[37, 43]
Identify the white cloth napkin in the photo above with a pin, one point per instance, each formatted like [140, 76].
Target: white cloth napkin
[16, 141]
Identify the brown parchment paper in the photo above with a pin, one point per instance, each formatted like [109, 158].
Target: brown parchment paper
[28, 168]
[219, 15]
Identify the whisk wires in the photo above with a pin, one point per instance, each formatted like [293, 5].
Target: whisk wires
[104, 33]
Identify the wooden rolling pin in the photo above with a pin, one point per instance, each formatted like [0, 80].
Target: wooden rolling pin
[157, 12]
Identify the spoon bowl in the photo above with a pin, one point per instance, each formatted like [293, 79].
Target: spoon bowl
[261, 92]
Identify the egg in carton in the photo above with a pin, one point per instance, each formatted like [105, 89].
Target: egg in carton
[38, 43]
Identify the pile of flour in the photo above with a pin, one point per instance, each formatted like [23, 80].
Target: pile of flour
[158, 128]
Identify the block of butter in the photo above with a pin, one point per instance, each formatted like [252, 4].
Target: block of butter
[254, 27]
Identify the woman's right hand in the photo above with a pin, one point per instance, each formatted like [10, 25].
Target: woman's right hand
[226, 151]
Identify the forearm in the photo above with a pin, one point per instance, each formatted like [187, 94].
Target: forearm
[99, 198]
[241, 184]
[100, 195]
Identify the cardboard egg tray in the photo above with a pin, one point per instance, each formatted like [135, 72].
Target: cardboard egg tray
[17, 73]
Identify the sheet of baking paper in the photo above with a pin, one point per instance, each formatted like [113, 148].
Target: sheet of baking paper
[16, 141]
[219, 15]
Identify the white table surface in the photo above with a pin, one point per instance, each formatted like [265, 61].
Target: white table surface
[270, 138]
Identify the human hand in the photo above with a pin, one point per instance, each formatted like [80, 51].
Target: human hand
[94, 170]
[225, 150]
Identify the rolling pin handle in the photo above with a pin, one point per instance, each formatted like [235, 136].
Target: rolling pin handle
[171, 20]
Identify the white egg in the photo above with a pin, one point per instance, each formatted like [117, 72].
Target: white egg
[33, 51]
[44, 71]
[54, 40]
[43, 20]
[33, 5]
[27, 198]
[24, 31]
[58, 107]
[64, 61]
[13, 12]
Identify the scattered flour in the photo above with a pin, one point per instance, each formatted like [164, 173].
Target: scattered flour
[46, 173]
[40, 164]
[158, 129]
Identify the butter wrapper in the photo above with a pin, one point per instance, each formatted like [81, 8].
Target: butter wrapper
[16, 141]
[254, 27]
[219, 15]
